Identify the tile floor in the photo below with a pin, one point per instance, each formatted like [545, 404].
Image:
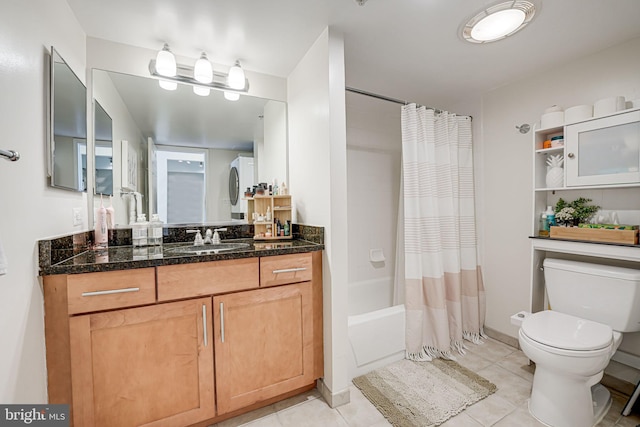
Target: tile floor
[503, 365]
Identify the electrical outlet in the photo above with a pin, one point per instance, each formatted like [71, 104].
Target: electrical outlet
[77, 216]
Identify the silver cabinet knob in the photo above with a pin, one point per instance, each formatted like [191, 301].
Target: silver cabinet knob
[571, 155]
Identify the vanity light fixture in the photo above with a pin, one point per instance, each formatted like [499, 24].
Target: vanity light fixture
[166, 67]
[166, 62]
[201, 76]
[499, 21]
[202, 72]
[236, 78]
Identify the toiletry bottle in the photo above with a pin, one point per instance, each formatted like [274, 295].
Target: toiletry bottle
[287, 228]
[283, 189]
[155, 231]
[139, 231]
[111, 215]
[551, 217]
[268, 216]
[101, 234]
[543, 231]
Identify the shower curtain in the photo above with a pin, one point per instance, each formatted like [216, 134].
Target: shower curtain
[443, 292]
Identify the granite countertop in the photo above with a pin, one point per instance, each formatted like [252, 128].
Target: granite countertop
[72, 254]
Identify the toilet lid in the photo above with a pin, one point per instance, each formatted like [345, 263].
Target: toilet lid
[567, 332]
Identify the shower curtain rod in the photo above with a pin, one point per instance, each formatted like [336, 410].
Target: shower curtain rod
[394, 100]
[386, 98]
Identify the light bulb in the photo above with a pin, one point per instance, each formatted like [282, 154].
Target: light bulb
[236, 79]
[202, 91]
[231, 96]
[202, 71]
[498, 24]
[168, 85]
[166, 62]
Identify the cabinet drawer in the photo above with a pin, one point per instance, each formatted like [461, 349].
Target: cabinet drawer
[107, 290]
[283, 269]
[206, 278]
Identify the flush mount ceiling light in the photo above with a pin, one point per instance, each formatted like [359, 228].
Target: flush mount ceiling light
[498, 22]
[201, 76]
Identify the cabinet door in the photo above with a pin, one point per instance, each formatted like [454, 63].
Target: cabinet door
[263, 344]
[604, 151]
[143, 366]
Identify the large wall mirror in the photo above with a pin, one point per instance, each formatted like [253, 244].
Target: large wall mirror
[68, 139]
[173, 151]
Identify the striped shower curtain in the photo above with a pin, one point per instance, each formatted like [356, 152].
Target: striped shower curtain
[444, 294]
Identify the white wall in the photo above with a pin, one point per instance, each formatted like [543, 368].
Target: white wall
[374, 157]
[505, 170]
[317, 171]
[29, 209]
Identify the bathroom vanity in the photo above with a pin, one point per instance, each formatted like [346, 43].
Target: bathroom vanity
[179, 339]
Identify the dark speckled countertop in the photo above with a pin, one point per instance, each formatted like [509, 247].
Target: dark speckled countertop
[72, 254]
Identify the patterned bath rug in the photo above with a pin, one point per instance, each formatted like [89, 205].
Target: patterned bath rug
[423, 394]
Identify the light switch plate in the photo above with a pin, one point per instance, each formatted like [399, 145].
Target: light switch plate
[77, 216]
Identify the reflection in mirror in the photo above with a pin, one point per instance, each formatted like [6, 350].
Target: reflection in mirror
[185, 146]
[103, 151]
[68, 140]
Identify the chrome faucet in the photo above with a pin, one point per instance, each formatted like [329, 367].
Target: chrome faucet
[198, 240]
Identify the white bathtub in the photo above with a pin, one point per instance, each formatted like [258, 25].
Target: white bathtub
[376, 327]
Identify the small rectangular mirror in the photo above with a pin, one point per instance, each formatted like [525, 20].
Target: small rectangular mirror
[68, 138]
[103, 130]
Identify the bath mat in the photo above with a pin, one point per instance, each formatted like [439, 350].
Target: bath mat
[423, 394]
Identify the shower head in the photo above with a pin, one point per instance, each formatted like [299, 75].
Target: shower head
[524, 128]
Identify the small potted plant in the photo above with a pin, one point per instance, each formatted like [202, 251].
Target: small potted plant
[574, 213]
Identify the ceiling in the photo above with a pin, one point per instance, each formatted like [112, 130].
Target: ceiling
[405, 49]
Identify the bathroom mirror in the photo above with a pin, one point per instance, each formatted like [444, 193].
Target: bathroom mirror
[68, 127]
[183, 145]
[103, 137]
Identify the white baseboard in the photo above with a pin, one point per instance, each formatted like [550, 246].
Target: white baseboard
[333, 399]
[627, 359]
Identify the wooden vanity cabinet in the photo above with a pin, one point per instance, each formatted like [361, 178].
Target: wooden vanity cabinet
[263, 344]
[149, 366]
[143, 347]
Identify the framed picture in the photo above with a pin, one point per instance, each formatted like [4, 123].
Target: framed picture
[129, 167]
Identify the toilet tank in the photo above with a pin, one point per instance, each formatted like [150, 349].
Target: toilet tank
[602, 293]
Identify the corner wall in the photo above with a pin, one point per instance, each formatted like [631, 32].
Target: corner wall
[29, 208]
[318, 177]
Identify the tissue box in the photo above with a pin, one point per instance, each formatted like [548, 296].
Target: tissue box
[620, 235]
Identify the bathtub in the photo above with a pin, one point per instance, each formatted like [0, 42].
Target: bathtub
[376, 328]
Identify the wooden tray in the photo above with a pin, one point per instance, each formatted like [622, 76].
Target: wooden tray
[629, 237]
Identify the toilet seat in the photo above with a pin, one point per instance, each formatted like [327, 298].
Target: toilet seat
[565, 334]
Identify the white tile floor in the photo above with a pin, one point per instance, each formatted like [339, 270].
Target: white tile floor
[505, 366]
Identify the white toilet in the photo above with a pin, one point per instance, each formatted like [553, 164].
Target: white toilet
[572, 343]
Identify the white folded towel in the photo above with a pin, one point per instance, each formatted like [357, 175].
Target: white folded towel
[3, 261]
